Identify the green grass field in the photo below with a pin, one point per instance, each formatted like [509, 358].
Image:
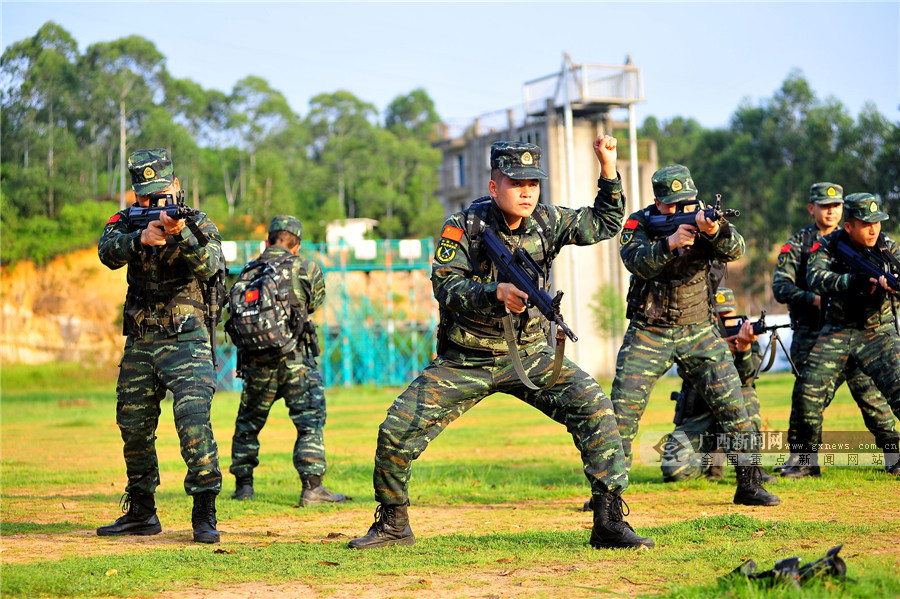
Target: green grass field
[495, 507]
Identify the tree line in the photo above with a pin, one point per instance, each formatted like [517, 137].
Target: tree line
[243, 156]
[764, 162]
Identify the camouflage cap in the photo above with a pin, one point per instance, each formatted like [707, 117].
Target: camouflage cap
[826, 193]
[517, 160]
[286, 222]
[673, 184]
[725, 300]
[865, 207]
[151, 171]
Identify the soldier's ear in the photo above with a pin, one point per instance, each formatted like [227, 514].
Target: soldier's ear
[493, 188]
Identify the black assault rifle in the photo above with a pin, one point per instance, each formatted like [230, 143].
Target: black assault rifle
[731, 325]
[520, 269]
[141, 216]
[866, 263]
[666, 224]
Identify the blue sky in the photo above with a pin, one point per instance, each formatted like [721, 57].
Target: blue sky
[699, 59]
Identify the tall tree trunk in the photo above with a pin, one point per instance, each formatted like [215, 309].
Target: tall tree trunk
[229, 189]
[110, 174]
[252, 170]
[195, 190]
[243, 174]
[94, 159]
[122, 165]
[50, 162]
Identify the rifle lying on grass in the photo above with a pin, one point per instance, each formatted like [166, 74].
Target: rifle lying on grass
[520, 269]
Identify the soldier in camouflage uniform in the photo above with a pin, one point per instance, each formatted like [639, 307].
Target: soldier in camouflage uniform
[294, 377]
[789, 286]
[670, 308]
[694, 435]
[473, 358]
[167, 347]
[860, 323]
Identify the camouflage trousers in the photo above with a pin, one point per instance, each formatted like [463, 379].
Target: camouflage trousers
[877, 354]
[876, 412]
[151, 365]
[455, 382]
[686, 451]
[299, 382]
[649, 351]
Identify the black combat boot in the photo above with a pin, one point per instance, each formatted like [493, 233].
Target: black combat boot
[610, 531]
[801, 471]
[203, 518]
[716, 469]
[140, 517]
[243, 488]
[314, 493]
[391, 527]
[749, 490]
[795, 468]
[766, 478]
[892, 462]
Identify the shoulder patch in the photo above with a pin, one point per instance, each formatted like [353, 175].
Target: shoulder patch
[631, 224]
[446, 250]
[452, 233]
[785, 248]
[114, 218]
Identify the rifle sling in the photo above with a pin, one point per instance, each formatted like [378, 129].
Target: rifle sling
[202, 238]
[509, 335]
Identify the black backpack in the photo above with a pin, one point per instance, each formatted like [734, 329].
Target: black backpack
[262, 321]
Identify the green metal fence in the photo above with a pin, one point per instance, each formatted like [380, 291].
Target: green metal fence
[378, 322]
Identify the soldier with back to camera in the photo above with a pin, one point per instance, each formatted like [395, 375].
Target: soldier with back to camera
[277, 352]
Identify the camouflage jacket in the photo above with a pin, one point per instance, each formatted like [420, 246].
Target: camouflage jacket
[846, 307]
[466, 287]
[746, 363]
[668, 289]
[789, 281]
[164, 291]
[650, 258]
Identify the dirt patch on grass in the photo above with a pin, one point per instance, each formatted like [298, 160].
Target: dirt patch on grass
[339, 524]
[500, 583]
